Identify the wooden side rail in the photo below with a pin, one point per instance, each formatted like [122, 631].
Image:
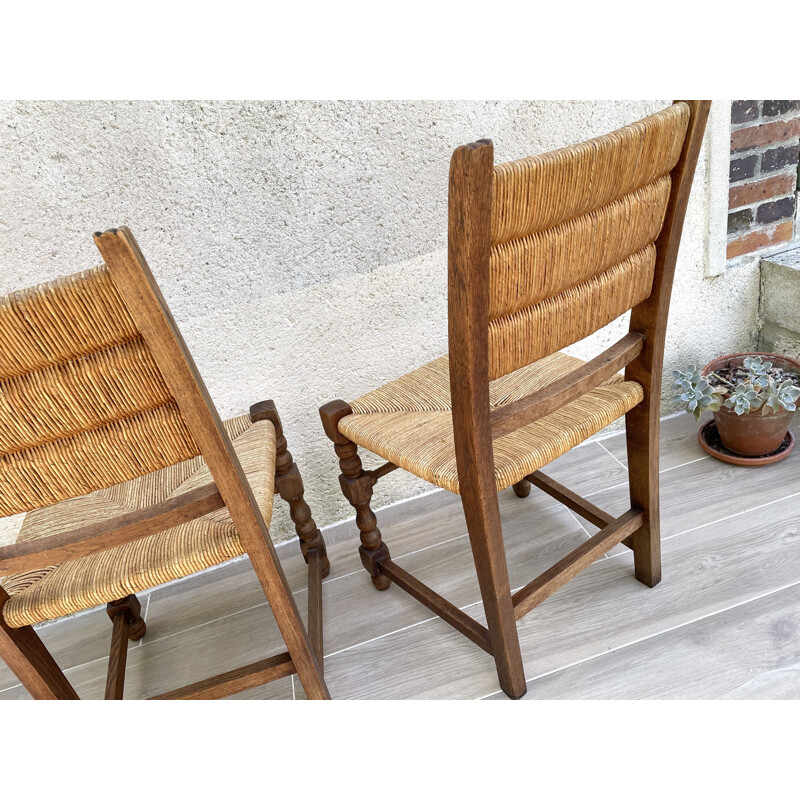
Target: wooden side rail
[508, 418]
[572, 500]
[67, 546]
[237, 680]
[539, 589]
[384, 469]
[451, 614]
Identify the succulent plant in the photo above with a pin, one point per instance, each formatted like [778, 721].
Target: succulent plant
[744, 399]
[698, 394]
[757, 386]
[781, 396]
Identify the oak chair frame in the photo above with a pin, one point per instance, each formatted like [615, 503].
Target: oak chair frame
[23, 650]
[475, 426]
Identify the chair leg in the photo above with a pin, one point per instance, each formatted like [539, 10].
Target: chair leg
[642, 425]
[522, 488]
[356, 486]
[268, 569]
[289, 485]
[126, 616]
[28, 658]
[485, 535]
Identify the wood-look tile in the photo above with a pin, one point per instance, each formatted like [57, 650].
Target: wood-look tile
[678, 442]
[745, 652]
[356, 612]
[706, 491]
[73, 641]
[90, 684]
[164, 664]
[706, 571]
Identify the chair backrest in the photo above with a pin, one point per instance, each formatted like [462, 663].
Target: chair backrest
[572, 237]
[83, 405]
[546, 250]
[97, 387]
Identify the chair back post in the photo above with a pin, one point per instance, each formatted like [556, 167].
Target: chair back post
[137, 286]
[650, 316]
[469, 231]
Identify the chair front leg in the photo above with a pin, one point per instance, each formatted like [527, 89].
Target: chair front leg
[126, 616]
[28, 658]
[289, 485]
[356, 485]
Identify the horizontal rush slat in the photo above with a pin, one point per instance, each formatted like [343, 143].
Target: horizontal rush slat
[526, 410]
[46, 551]
[539, 589]
[451, 614]
[237, 680]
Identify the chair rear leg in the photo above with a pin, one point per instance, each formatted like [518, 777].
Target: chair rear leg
[28, 658]
[642, 426]
[522, 488]
[126, 617]
[356, 486]
[485, 535]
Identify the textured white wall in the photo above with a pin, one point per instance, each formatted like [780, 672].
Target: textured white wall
[301, 245]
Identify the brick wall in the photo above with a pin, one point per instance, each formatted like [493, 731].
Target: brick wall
[765, 151]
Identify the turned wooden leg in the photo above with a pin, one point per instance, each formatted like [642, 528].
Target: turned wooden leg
[522, 488]
[29, 660]
[356, 485]
[641, 432]
[289, 484]
[126, 616]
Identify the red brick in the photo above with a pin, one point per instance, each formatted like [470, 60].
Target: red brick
[743, 194]
[758, 239]
[761, 135]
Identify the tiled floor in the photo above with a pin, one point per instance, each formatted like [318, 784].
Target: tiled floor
[724, 622]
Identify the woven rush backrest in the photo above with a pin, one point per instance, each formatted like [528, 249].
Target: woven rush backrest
[83, 405]
[572, 237]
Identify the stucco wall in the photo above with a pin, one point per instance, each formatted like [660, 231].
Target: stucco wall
[301, 245]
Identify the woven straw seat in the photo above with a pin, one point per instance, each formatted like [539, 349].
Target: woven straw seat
[175, 553]
[409, 421]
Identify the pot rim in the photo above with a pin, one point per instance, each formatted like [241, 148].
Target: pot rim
[795, 363]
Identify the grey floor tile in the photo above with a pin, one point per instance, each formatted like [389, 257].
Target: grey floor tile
[707, 571]
[678, 442]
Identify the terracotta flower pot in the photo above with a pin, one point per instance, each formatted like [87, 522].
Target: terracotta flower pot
[752, 434]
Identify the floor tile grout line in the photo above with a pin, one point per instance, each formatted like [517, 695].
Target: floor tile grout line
[154, 589]
[289, 542]
[723, 519]
[692, 621]
[613, 456]
[469, 605]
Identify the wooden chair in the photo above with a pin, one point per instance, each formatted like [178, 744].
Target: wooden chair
[542, 252]
[110, 440]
